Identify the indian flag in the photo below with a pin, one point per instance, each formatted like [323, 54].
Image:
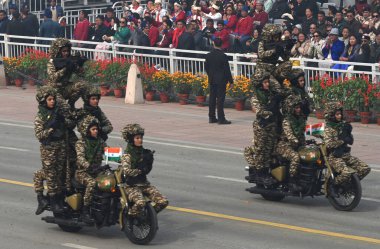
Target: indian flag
[315, 129]
[113, 154]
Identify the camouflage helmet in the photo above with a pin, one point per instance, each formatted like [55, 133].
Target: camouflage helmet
[86, 123]
[331, 108]
[43, 92]
[91, 91]
[130, 131]
[56, 46]
[271, 30]
[291, 102]
[259, 76]
[295, 75]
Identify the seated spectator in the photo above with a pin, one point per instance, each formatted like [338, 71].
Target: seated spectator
[223, 35]
[82, 27]
[149, 9]
[321, 23]
[345, 36]
[186, 8]
[110, 20]
[166, 34]
[278, 9]
[339, 22]
[352, 24]
[97, 31]
[214, 14]
[334, 47]
[244, 26]
[298, 10]
[316, 46]
[239, 6]
[349, 53]
[365, 19]
[312, 4]
[136, 8]
[301, 48]
[307, 21]
[180, 28]
[49, 28]
[252, 44]
[375, 6]
[195, 15]
[331, 13]
[364, 54]
[360, 5]
[375, 50]
[312, 30]
[208, 32]
[374, 26]
[296, 30]
[260, 17]
[122, 35]
[178, 14]
[159, 12]
[153, 31]
[230, 19]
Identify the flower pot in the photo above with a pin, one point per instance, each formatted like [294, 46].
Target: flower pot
[19, 82]
[365, 117]
[319, 114]
[104, 90]
[183, 97]
[350, 115]
[118, 92]
[200, 100]
[239, 105]
[149, 95]
[378, 119]
[164, 97]
[32, 80]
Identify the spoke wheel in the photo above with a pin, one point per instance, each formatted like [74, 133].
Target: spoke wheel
[346, 197]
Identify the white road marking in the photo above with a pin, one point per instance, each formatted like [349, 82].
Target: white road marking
[16, 125]
[77, 246]
[242, 181]
[226, 179]
[12, 148]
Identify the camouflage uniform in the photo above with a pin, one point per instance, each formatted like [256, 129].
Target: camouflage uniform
[105, 126]
[265, 126]
[293, 135]
[138, 185]
[60, 78]
[331, 137]
[49, 126]
[89, 157]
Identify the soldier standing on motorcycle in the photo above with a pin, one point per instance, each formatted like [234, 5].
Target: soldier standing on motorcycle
[267, 105]
[91, 107]
[338, 137]
[292, 137]
[137, 162]
[50, 127]
[90, 150]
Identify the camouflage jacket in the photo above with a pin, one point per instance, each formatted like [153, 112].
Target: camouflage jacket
[105, 124]
[89, 157]
[291, 135]
[130, 171]
[57, 78]
[330, 137]
[46, 134]
[260, 107]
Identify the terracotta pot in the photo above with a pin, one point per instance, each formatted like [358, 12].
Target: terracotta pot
[118, 92]
[8, 81]
[200, 100]
[19, 82]
[378, 119]
[239, 105]
[149, 95]
[365, 117]
[104, 90]
[319, 114]
[164, 97]
[32, 80]
[350, 115]
[183, 97]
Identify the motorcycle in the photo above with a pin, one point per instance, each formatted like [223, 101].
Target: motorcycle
[315, 178]
[109, 207]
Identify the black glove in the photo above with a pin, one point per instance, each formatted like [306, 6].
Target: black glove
[93, 169]
[338, 152]
[273, 105]
[147, 162]
[70, 65]
[310, 141]
[348, 139]
[104, 168]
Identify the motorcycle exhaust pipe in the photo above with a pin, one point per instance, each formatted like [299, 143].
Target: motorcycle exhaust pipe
[256, 190]
[60, 221]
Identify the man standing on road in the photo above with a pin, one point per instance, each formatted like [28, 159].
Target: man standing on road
[219, 74]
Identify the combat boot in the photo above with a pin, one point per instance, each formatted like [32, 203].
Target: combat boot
[86, 218]
[54, 205]
[42, 203]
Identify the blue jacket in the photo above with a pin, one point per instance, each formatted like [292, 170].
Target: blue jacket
[49, 29]
[336, 49]
[59, 10]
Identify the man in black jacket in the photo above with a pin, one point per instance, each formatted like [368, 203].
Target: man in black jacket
[30, 21]
[3, 22]
[219, 74]
[279, 8]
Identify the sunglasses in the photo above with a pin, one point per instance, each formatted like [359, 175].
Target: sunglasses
[122, 22]
[315, 35]
[375, 16]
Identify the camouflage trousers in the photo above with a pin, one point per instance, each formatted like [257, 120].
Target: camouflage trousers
[72, 157]
[286, 151]
[340, 166]
[71, 92]
[53, 157]
[89, 181]
[264, 140]
[136, 195]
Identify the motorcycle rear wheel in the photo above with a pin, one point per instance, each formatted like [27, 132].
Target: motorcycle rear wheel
[348, 198]
[142, 232]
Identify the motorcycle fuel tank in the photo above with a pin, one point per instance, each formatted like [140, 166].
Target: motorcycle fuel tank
[309, 154]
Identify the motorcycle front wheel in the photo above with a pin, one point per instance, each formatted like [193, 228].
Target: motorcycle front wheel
[347, 197]
[141, 231]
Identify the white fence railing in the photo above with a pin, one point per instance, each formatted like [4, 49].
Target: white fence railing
[174, 60]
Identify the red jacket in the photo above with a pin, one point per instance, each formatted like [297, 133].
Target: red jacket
[231, 23]
[180, 16]
[81, 30]
[261, 17]
[176, 34]
[224, 35]
[153, 35]
[166, 39]
[244, 26]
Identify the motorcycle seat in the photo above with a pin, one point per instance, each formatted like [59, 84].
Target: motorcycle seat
[77, 184]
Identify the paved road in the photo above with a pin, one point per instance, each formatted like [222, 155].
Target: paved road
[205, 181]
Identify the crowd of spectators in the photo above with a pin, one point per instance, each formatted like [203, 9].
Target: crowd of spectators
[345, 33]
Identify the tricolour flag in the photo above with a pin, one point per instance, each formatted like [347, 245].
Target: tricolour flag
[113, 154]
[315, 129]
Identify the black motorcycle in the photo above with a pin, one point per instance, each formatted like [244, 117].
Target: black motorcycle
[315, 178]
[109, 207]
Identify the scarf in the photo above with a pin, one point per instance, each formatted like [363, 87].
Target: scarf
[92, 149]
[297, 124]
[94, 111]
[136, 154]
[262, 96]
[45, 112]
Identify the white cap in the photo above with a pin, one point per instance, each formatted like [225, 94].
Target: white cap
[194, 7]
[214, 6]
[177, 4]
[158, 1]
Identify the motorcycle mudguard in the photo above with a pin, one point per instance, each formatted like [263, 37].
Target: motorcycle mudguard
[279, 173]
[74, 201]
